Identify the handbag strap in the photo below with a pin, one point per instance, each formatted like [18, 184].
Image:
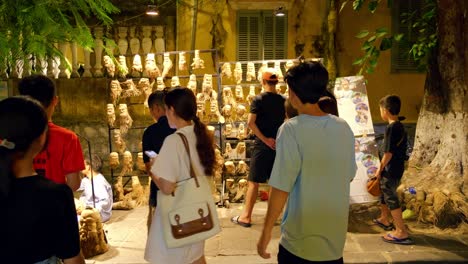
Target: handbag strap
[187, 148]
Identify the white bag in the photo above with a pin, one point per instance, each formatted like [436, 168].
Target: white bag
[188, 215]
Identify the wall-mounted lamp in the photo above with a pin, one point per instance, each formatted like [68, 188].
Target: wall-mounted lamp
[279, 12]
[152, 10]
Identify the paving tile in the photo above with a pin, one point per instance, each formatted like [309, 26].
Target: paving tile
[374, 243]
[426, 257]
[236, 247]
[252, 259]
[351, 245]
[445, 243]
[122, 255]
[363, 257]
[127, 235]
[213, 246]
[420, 244]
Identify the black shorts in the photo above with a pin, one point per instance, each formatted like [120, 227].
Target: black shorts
[389, 195]
[286, 257]
[261, 163]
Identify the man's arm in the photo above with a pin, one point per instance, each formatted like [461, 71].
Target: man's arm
[73, 180]
[253, 126]
[275, 206]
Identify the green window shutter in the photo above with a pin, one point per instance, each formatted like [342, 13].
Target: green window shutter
[261, 36]
[402, 60]
[248, 37]
[274, 37]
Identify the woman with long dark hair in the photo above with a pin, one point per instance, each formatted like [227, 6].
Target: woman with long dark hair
[172, 165]
[39, 223]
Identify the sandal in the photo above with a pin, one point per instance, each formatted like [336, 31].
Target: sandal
[395, 240]
[389, 227]
[235, 220]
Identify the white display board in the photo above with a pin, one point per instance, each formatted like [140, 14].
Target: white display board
[353, 106]
[367, 161]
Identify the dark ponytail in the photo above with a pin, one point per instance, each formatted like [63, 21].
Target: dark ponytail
[205, 146]
[22, 121]
[185, 106]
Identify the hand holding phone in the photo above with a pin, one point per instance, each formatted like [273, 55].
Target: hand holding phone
[151, 154]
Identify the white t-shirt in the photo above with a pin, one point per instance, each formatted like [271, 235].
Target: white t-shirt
[102, 195]
[314, 163]
[171, 164]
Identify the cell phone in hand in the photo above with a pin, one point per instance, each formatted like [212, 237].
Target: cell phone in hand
[151, 154]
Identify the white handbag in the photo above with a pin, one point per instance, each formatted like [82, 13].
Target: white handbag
[189, 214]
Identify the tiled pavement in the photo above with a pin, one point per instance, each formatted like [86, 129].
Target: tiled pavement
[235, 244]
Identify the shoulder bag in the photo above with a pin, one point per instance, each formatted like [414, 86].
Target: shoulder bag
[189, 214]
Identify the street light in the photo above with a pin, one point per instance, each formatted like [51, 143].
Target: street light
[152, 10]
[279, 12]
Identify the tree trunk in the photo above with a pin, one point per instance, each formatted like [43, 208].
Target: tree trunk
[438, 166]
[331, 23]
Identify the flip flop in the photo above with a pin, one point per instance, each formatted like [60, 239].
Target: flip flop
[389, 227]
[235, 220]
[396, 240]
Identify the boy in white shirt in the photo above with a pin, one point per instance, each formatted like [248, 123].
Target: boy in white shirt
[102, 189]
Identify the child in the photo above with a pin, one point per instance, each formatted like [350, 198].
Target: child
[102, 189]
[391, 170]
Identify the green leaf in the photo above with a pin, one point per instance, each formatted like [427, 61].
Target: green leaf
[398, 37]
[381, 34]
[386, 44]
[373, 6]
[343, 5]
[375, 53]
[363, 33]
[381, 30]
[366, 46]
[373, 62]
[359, 61]
[357, 4]
[370, 69]
[372, 39]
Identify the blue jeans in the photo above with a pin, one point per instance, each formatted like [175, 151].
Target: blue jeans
[51, 260]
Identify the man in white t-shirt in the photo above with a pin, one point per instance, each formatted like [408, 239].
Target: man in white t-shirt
[313, 168]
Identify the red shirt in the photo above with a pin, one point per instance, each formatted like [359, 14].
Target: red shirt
[62, 155]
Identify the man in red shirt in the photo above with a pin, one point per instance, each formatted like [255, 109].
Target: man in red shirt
[62, 158]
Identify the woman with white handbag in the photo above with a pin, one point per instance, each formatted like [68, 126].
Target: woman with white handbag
[186, 214]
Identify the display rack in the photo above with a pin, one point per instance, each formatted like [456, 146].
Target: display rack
[244, 92]
[138, 101]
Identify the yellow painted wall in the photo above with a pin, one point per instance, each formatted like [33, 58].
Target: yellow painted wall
[409, 86]
[380, 83]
